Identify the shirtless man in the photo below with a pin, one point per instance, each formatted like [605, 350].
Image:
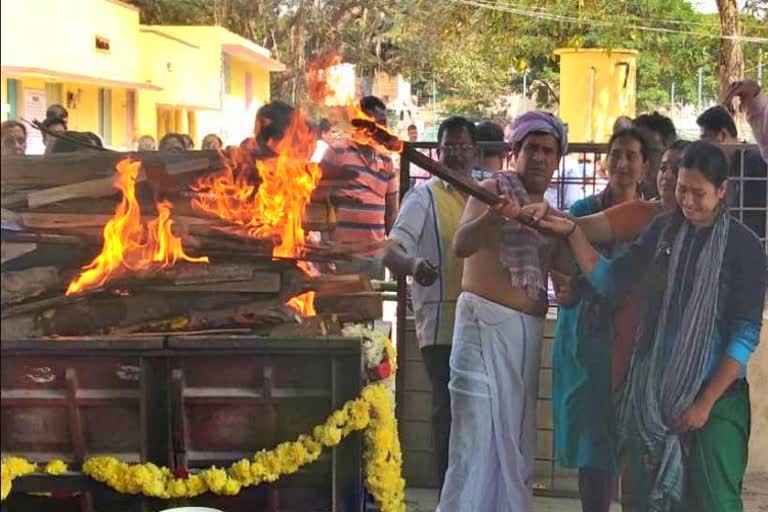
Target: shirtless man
[497, 335]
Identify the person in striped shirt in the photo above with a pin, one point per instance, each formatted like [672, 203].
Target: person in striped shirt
[368, 203]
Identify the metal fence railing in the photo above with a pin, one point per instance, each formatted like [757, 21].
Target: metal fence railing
[582, 173]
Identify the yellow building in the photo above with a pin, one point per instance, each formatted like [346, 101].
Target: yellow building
[596, 87]
[121, 79]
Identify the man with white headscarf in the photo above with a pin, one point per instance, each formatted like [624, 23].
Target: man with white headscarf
[498, 330]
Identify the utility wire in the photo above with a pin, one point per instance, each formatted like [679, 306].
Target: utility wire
[579, 21]
[671, 21]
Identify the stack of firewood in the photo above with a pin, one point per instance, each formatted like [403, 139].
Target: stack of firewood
[54, 209]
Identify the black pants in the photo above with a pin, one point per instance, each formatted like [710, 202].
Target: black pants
[437, 360]
[596, 488]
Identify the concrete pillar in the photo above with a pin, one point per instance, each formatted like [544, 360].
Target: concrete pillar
[179, 120]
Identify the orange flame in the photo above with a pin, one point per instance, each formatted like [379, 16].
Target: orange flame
[130, 244]
[330, 81]
[271, 202]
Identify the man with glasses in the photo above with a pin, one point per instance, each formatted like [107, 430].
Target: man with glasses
[421, 247]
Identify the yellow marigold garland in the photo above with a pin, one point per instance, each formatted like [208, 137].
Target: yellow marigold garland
[55, 467]
[11, 468]
[373, 411]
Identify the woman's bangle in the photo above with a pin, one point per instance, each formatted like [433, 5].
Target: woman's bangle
[568, 236]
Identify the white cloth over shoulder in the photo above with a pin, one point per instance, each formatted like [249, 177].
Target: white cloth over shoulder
[494, 382]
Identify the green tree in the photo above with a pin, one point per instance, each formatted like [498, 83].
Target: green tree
[476, 50]
[298, 31]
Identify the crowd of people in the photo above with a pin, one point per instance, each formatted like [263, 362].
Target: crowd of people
[58, 138]
[661, 293]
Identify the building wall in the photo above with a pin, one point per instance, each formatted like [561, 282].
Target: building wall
[186, 62]
[121, 138]
[83, 107]
[394, 90]
[385, 87]
[614, 91]
[220, 105]
[177, 66]
[237, 118]
[4, 98]
[60, 35]
[72, 28]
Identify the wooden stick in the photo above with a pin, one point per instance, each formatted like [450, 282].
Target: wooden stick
[43, 238]
[104, 186]
[11, 251]
[40, 171]
[38, 305]
[463, 183]
[20, 285]
[355, 307]
[63, 221]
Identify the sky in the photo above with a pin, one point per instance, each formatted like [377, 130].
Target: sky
[709, 6]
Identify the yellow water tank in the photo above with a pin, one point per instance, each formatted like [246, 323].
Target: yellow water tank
[596, 86]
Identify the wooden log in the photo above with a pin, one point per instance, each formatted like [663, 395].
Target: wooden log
[316, 326]
[231, 247]
[21, 327]
[73, 221]
[356, 307]
[44, 238]
[95, 205]
[260, 313]
[9, 218]
[259, 282]
[344, 250]
[297, 282]
[332, 285]
[204, 274]
[21, 285]
[11, 251]
[101, 187]
[35, 171]
[101, 314]
[37, 306]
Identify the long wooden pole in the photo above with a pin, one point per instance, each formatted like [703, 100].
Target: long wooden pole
[464, 183]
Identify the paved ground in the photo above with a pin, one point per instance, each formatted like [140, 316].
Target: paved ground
[755, 499]
[425, 500]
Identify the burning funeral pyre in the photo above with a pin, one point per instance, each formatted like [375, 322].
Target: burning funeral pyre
[111, 243]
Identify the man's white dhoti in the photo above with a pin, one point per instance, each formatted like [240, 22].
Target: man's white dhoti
[494, 381]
